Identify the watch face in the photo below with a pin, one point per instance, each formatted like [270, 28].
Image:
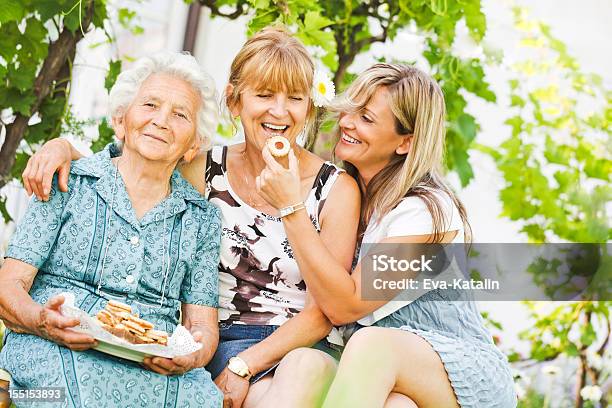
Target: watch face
[237, 367]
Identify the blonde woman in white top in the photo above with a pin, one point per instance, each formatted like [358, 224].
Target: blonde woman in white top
[391, 125]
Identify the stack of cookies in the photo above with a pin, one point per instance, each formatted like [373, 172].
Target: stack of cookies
[117, 318]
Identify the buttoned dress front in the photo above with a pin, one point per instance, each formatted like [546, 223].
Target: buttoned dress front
[75, 235]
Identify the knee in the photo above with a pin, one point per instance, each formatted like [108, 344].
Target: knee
[309, 363]
[367, 340]
[396, 400]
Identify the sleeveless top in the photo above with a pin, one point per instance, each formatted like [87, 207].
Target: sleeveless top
[259, 280]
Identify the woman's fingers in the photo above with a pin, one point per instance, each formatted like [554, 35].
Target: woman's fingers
[294, 167]
[64, 172]
[70, 338]
[258, 184]
[46, 180]
[81, 346]
[270, 160]
[39, 181]
[152, 367]
[32, 177]
[163, 366]
[62, 322]
[167, 364]
[55, 302]
[25, 177]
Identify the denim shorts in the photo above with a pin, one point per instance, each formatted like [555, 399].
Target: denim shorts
[235, 338]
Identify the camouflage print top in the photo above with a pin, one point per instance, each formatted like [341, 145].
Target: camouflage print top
[259, 280]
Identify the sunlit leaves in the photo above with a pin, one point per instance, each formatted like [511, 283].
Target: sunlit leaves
[114, 68]
[561, 157]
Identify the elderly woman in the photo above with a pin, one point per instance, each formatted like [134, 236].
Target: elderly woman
[265, 312]
[129, 229]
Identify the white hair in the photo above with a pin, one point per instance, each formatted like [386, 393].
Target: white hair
[176, 64]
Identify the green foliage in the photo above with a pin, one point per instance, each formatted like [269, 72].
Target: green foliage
[557, 161]
[532, 399]
[344, 29]
[26, 30]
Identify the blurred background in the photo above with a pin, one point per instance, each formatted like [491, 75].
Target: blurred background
[528, 90]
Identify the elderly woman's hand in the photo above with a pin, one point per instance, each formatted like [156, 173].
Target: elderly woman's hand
[54, 326]
[279, 186]
[53, 156]
[177, 365]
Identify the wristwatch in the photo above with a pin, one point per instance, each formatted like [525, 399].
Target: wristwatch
[291, 209]
[238, 366]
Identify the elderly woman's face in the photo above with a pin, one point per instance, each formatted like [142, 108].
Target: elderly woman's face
[160, 124]
[264, 114]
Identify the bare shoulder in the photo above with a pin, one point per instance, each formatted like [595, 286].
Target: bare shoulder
[193, 171]
[344, 198]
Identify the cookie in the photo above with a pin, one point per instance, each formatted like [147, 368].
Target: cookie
[118, 307]
[279, 146]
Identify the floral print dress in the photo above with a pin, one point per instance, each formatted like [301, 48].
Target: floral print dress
[65, 238]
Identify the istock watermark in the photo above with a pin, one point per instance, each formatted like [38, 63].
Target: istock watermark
[486, 271]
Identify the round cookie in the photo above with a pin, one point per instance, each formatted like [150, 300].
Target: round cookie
[279, 146]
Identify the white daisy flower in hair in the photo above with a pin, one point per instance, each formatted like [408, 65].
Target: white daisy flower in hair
[323, 89]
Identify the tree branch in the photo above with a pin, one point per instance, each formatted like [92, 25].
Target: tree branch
[58, 53]
[346, 55]
[214, 10]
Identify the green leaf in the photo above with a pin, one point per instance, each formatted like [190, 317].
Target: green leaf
[467, 125]
[259, 4]
[20, 102]
[125, 16]
[261, 20]
[457, 159]
[105, 136]
[7, 218]
[475, 19]
[114, 69]
[72, 16]
[11, 10]
[50, 8]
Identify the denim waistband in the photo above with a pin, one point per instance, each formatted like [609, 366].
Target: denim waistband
[235, 331]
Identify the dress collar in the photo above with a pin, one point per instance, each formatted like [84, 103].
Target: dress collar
[101, 167]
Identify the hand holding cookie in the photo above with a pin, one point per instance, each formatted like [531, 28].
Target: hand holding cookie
[279, 186]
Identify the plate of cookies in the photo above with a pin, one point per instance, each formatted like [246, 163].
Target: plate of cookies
[121, 333]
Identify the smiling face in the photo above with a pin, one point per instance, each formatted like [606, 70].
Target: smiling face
[265, 114]
[368, 137]
[160, 123]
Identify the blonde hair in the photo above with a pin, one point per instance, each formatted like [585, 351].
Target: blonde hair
[417, 104]
[274, 60]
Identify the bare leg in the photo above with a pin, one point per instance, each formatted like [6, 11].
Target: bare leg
[257, 391]
[378, 361]
[300, 381]
[396, 400]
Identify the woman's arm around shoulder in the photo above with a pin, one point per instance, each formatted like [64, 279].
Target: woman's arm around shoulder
[54, 156]
[194, 171]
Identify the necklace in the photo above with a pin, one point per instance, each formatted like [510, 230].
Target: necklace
[250, 199]
[108, 223]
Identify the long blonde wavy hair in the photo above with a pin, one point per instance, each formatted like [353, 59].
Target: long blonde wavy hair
[417, 103]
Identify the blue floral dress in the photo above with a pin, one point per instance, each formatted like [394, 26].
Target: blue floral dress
[66, 239]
